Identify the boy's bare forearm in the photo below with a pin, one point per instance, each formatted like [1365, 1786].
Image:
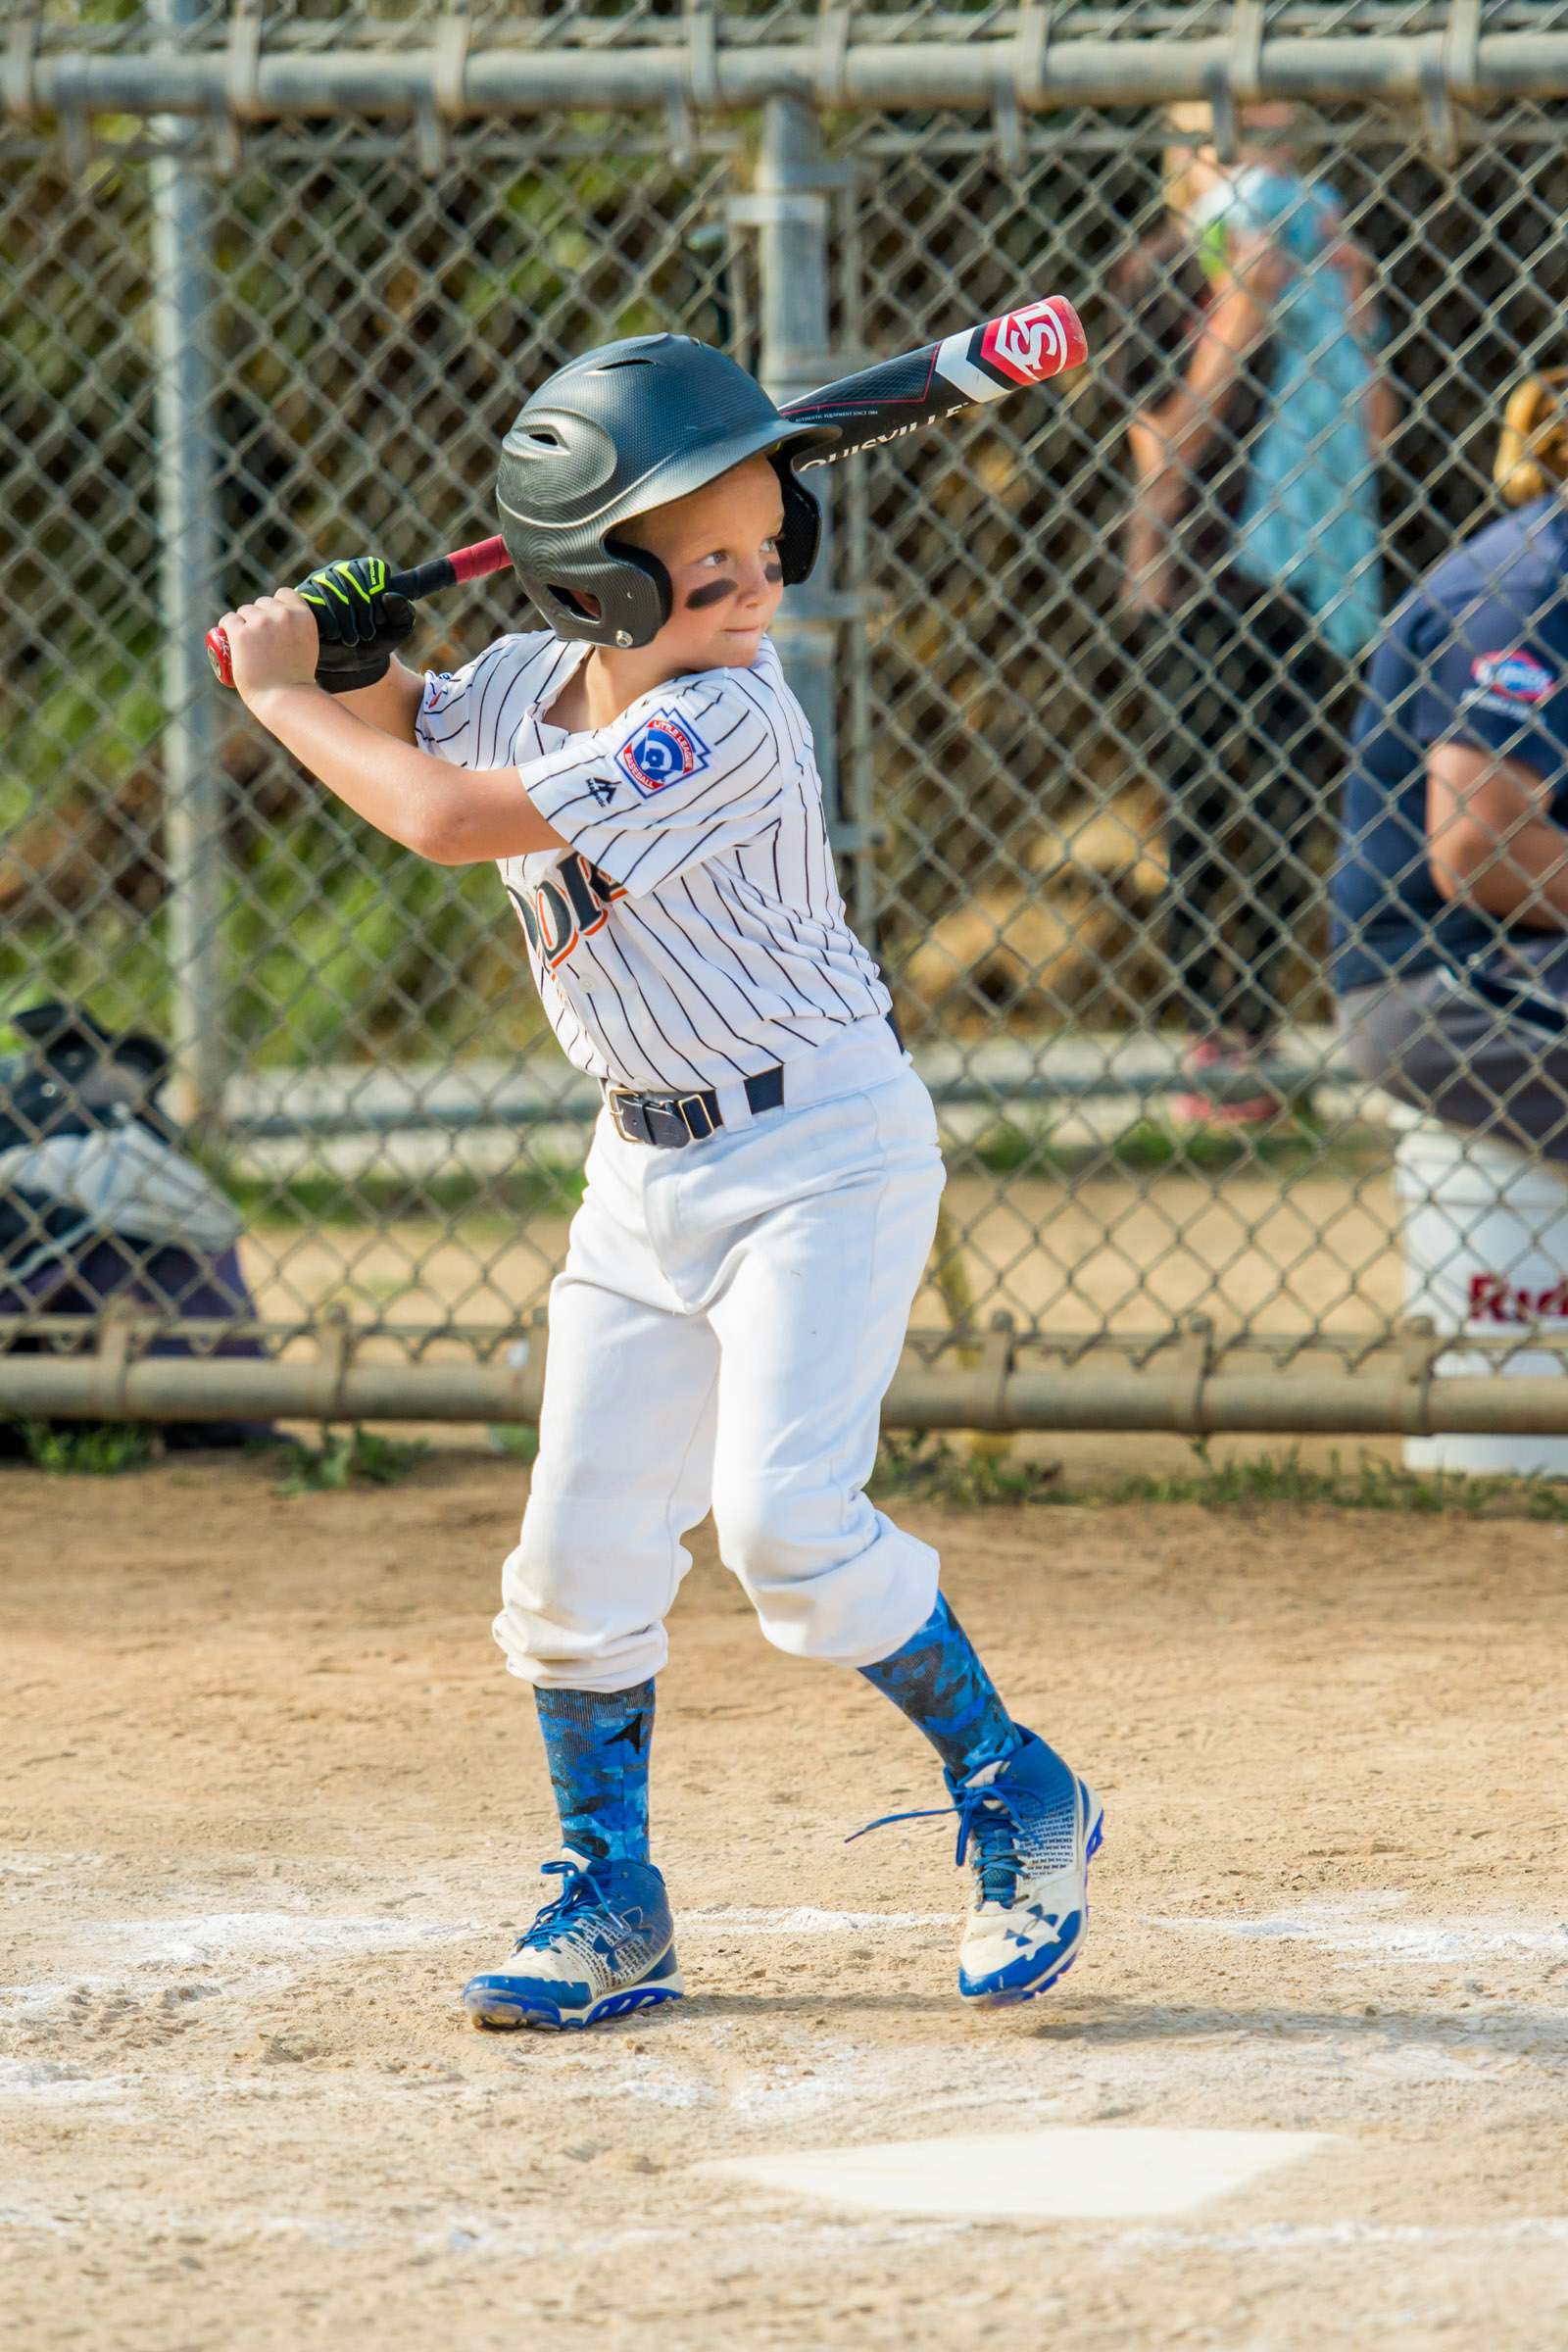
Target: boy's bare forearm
[454, 817]
[397, 788]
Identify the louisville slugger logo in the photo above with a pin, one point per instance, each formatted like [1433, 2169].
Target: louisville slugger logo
[1027, 345]
[852, 445]
[1021, 347]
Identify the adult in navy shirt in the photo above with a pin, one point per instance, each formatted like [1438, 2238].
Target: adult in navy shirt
[1450, 893]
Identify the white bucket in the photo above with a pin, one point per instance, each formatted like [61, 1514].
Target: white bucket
[1486, 1254]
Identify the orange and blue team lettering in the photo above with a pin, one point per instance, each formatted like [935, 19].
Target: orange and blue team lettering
[573, 903]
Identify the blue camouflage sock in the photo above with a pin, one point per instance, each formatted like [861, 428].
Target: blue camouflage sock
[595, 1743]
[937, 1680]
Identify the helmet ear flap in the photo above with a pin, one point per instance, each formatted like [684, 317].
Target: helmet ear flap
[630, 588]
[801, 536]
[621, 551]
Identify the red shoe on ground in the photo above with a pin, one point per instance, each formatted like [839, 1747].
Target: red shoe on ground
[1232, 1057]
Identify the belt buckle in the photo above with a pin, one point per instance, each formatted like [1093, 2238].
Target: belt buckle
[615, 1097]
[697, 1122]
[687, 1113]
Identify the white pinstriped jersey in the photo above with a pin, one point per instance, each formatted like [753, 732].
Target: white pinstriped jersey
[695, 932]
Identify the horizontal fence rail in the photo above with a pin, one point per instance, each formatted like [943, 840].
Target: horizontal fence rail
[1181, 1389]
[255, 65]
[1023, 71]
[1083, 670]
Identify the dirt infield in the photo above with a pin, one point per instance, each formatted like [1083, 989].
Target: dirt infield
[268, 1798]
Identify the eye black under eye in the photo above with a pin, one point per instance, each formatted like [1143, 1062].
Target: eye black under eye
[714, 594]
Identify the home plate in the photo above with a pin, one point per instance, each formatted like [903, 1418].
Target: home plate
[1073, 2174]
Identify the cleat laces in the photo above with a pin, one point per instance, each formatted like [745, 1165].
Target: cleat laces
[1010, 1833]
[556, 1929]
[996, 1853]
[989, 1820]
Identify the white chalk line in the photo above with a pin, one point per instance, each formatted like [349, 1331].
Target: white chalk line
[192, 1940]
[1362, 1926]
[1353, 1928]
[46, 2081]
[28, 1867]
[32, 2217]
[251, 1946]
[467, 2231]
[259, 1940]
[467, 2234]
[1264, 2237]
[213, 1940]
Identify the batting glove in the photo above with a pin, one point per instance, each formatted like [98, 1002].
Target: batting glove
[359, 623]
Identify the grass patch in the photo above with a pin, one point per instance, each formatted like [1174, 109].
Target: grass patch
[541, 1190]
[518, 1439]
[927, 1469]
[1297, 1139]
[1369, 1485]
[88, 1449]
[348, 1457]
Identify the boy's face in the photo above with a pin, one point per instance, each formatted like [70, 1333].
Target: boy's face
[720, 549]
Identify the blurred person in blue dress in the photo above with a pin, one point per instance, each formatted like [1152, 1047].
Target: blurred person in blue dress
[1258, 409]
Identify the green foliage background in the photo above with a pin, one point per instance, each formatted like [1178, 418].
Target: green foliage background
[372, 333]
[373, 328]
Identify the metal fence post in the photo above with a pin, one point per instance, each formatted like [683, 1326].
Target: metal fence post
[181, 243]
[791, 210]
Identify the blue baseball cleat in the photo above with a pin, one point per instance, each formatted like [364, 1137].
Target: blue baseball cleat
[1030, 1828]
[605, 1948]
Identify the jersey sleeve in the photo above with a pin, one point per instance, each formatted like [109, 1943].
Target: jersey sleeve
[466, 715]
[1485, 680]
[692, 770]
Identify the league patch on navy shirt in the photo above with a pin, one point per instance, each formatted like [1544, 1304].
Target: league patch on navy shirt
[1504, 680]
[666, 748]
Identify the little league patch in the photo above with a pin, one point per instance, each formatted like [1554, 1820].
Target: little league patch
[664, 749]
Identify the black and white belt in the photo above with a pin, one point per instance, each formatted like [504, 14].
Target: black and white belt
[670, 1122]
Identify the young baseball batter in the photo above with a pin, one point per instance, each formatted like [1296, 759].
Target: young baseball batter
[763, 1178]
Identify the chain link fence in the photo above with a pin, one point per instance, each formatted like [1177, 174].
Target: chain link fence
[277, 279]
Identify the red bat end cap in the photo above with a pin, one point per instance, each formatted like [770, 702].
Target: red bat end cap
[217, 655]
[1039, 341]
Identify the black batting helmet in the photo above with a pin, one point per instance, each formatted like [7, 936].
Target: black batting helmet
[622, 430]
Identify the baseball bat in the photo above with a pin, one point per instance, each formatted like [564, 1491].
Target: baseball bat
[879, 404]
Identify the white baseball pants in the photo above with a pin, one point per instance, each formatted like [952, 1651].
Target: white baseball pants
[722, 1336]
